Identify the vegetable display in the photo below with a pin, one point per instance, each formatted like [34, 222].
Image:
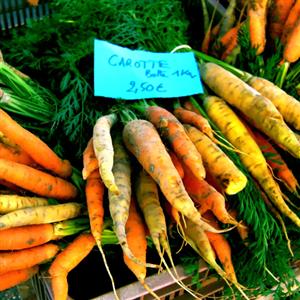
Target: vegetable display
[149, 184]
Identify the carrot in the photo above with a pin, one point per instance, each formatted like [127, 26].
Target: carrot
[15, 154]
[94, 191]
[143, 141]
[13, 278]
[228, 18]
[26, 258]
[291, 52]
[276, 162]
[34, 146]
[23, 237]
[148, 200]
[119, 203]
[290, 22]
[193, 117]
[90, 162]
[275, 212]
[33, 2]
[278, 13]
[260, 110]
[171, 129]
[230, 178]
[40, 215]
[229, 41]
[137, 243]
[198, 240]
[257, 15]
[104, 150]
[250, 154]
[288, 106]
[66, 261]
[207, 37]
[10, 203]
[206, 197]
[36, 181]
[177, 164]
[221, 247]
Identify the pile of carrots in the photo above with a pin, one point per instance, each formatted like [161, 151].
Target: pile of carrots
[168, 166]
[267, 22]
[37, 203]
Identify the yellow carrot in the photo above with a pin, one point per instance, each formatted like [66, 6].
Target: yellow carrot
[104, 151]
[259, 109]
[40, 215]
[10, 203]
[250, 154]
[287, 105]
[230, 178]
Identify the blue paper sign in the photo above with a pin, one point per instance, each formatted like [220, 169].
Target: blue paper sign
[134, 74]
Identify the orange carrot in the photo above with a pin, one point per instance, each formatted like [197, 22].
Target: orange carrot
[177, 164]
[229, 41]
[36, 181]
[143, 141]
[206, 197]
[33, 2]
[171, 129]
[66, 261]
[15, 154]
[291, 52]
[90, 162]
[25, 236]
[137, 242]
[221, 247]
[276, 162]
[257, 14]
[193, 118]
[26, 258]
[28, 236]
[14, 278]
[278, 13]
[207, 37]
[38, 150]
[94, 192]
[290, 22]
[228, 19]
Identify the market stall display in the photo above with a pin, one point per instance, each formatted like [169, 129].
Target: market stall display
[160, 182]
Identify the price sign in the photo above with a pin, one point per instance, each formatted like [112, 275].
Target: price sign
[134, 74]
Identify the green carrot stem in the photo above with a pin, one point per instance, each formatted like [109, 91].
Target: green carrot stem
[205, 16]
[281, 76]
[70, 227]
[293, 72]
[237, 72]
[176, 103]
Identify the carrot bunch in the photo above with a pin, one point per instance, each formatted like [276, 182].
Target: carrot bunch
[267, 21]
[31, 173]
[162, 147]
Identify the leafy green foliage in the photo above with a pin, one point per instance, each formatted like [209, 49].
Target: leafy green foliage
[58, 51]
[266, 66]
